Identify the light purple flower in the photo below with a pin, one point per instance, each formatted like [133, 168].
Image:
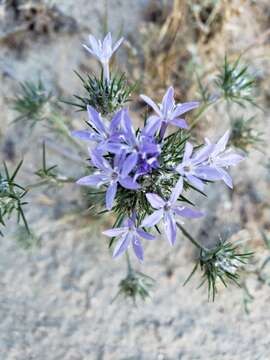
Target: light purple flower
[195, 168]
[167, 209]
[103, 51]
[101, 132]
[129, 233]
[168, 112]
[221, 158]
[110, 175]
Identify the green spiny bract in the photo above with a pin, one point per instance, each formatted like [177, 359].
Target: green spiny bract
[236, 83]
[30, 102]
[244, 135]
[105, 97]
[11, 197]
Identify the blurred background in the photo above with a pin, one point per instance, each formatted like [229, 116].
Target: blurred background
[57, 286]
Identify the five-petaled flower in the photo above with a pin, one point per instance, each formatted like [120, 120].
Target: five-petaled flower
[103, 51]
[129, 233]
[221, 158]
[167, 209]
[195, 168]
[168, 112]
[100, 131]
[110, 175]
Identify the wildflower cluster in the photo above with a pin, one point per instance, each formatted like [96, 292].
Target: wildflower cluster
[146, 172]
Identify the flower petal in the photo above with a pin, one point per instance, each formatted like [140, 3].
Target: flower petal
[151, 103]
[226, 178]
[152, 219]
[85, 135]
[121, 246]
[137, 247]
[176, 191]
[110, 195]
[155, 200]
[145, 235]
[129, 164]
[152, 126]
[188, 151]
[207, 173]
[92, 180]
[181, 123]
[95, 120]
[117, 44]
[185, 107]
[129, 183]
[115, 231]
[187, 212]
[170, 227]
[195, 182]
[168, 101]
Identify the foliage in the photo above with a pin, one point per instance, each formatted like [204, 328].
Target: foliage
[11, 197]
[105, 97]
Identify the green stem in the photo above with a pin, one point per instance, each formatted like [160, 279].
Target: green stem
[129, 267]
[63, 180]
[191, 239]
[202, 110]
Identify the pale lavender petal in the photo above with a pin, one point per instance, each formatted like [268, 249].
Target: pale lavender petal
[222, 142]
[89, 50]
[207, 173]
[203, 154]
[226, 178]
[115, 231]
[152, 125]
[121, 246]
[129, 164]
[155, 200]
[170, 228]
[92, 180]
[187, 212]
[117, 44]
[195, 182]
[116, 120]
[188, 151]
[180, 169]
[86, 135]
[151, 103]
[181, 123]
[185, 107]
[100, 162]
[110, 195]
[152, 219]
[129, 183]
[128, 128]
[137, 247]
[114, 148]
[94, 44]
[145, 235]
[176, 191]
[168, 101]
[229, 159]
[94, 119]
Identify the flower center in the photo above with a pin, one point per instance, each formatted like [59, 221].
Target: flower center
[167, 206]
[114, 176]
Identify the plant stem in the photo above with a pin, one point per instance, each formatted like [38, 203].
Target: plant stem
[205, 107]
[129, 267]
[60, 179]
[191, 239]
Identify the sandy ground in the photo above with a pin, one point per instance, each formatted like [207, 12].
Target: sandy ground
[56, 300]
